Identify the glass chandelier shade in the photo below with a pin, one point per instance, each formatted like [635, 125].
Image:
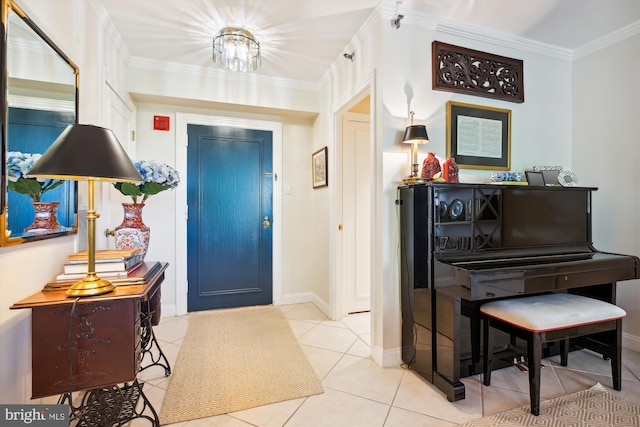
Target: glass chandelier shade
[236, 49]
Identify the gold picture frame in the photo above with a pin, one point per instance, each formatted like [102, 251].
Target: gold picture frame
[479, 137]
[319, 171]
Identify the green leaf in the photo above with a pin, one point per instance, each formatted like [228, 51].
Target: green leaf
[50, 185]
[128, 189]
[30, 187]
[152, 188]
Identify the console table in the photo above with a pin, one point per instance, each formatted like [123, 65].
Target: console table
[97, 345]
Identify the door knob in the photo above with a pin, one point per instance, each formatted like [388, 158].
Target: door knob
[266, 222]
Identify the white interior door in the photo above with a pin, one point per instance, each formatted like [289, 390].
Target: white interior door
[356, 211]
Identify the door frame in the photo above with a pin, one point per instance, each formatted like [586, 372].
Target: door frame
[184, 119]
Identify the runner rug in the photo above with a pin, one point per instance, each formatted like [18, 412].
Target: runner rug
[236, 359]
[595, 407]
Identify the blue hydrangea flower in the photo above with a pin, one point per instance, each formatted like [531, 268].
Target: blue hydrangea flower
[156, 177]
[18, 166]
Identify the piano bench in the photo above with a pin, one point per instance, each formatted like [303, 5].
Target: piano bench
[552, 317]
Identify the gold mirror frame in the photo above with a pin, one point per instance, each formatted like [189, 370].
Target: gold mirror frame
[33, 91]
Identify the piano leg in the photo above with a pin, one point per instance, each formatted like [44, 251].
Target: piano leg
[457, 342]
[472, 312]
[447, 330]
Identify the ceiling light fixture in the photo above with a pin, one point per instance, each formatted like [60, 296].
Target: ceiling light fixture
[236, 49]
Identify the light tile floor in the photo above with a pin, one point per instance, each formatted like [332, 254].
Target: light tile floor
[357, 392]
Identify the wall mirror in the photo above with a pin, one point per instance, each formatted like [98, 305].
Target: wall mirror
[39, 86]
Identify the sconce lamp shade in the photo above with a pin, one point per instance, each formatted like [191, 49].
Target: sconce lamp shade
[415, 134]
[86, 152]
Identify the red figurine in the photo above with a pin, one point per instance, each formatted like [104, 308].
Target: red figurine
[430, 167]
[450, 170]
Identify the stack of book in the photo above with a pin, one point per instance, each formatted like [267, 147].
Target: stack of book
[110, 264]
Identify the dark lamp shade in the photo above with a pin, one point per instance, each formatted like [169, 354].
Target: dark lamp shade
[86, 152]
[415, 134]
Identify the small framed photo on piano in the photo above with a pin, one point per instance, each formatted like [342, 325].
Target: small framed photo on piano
[534, 178]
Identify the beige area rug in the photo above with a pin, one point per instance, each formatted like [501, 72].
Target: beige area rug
[236, 359]
[595, 407]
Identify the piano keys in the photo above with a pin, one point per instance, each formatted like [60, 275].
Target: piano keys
[466, 244]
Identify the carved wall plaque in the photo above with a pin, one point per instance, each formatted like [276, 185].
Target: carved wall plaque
[458, 69]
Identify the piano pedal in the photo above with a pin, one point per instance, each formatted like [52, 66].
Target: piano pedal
[521, 364]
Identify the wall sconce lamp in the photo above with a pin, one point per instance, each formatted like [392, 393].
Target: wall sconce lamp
[395, 23]
[350, 56]
[87, 153]
[414, 135]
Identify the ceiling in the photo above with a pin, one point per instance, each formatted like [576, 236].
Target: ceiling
[300, 39]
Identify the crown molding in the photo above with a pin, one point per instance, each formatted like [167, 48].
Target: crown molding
[44, 104]
[610, 39]
[216, 73]
[434, 23]
[363, 33]
[504, 39]
[110, 29]
[149, 64]
[388, 11]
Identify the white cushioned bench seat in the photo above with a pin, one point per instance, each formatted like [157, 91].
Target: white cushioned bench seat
[550, 312]
[542, 319]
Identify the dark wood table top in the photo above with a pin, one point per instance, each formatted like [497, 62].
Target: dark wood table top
[54, 293]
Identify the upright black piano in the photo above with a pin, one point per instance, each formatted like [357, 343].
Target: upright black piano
[465, 244]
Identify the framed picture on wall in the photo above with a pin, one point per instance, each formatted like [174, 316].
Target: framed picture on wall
[479, 137]
[319, 168]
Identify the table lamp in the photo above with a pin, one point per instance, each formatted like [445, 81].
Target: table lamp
[414, 135]
[87, 153]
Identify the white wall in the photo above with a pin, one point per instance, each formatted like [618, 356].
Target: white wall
[606, 154]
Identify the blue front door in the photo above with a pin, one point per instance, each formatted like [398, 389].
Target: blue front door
[229, 233]
[33, 131]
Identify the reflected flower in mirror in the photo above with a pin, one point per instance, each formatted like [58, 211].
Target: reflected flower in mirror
[18, 166]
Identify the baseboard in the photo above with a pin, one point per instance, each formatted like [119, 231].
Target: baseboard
[630, 342]
[386, 358]
[168, 310]
[304, 297]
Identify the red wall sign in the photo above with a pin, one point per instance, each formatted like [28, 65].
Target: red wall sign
[160, 122]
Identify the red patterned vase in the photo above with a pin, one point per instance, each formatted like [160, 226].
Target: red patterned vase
[46, 219]
[450, 170]
[430, 167]
[133, 233]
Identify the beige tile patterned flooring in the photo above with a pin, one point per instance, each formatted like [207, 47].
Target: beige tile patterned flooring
[360, 393]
